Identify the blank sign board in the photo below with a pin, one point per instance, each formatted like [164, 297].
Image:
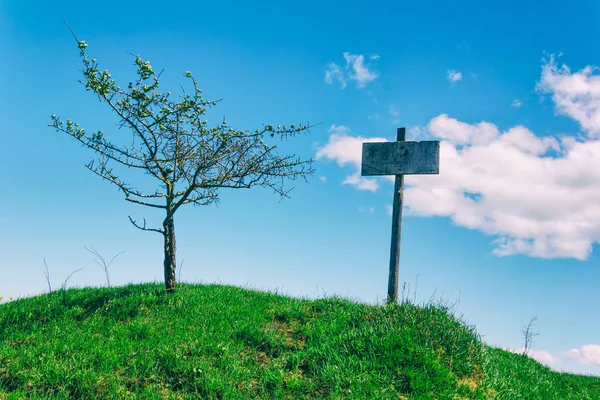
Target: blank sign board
[400, 158]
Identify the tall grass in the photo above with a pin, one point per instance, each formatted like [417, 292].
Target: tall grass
[223, 342]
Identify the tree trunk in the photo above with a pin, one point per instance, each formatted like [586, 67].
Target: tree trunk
[169, 264]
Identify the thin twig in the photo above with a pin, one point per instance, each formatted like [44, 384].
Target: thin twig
[47, 273]
[104, 266]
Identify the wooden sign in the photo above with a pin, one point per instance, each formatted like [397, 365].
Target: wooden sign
[399, 158]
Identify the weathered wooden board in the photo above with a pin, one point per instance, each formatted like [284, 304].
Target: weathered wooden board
[400, 158]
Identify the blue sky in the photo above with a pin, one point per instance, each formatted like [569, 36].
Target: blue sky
[509, 229]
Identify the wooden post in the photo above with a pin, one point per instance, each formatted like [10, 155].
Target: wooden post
[399, 158]
[392, 296]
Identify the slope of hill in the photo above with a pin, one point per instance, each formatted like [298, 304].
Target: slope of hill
[223, 342]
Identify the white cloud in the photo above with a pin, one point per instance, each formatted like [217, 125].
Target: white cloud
[345, 149]
[461, 133]
[586, 355]
[415, 132]
[541, 356]
[517, 103]
[323, 178]
[361, 183]
[454, 76]
[538, 196]
[576, 95]
[390, 209]
[356, 70]
[334, 72]
[359, 72]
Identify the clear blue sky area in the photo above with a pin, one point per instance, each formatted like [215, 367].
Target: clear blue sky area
[508, 230]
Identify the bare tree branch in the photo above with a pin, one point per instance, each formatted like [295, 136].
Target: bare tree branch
[528, 336]
[144, 227]
[47, 273]
[179, 271]
[64, 285]
[103, 265]
[107, 174]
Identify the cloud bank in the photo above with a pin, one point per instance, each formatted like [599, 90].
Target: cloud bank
[538, 196]
[586, 355]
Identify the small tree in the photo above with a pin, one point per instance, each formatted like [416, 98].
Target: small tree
[528, 336]
[47, 273]
[177, 147]
[102, 262]
[64, 285]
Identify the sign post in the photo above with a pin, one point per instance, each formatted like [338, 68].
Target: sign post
[399, 158]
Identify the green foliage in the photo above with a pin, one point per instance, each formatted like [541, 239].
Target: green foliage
[223, 342]
[175, 142]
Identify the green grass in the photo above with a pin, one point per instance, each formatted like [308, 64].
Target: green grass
[223, 342]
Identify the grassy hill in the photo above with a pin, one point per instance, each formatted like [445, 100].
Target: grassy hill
[224, 342]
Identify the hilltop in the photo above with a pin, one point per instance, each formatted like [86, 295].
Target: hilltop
[224, 342]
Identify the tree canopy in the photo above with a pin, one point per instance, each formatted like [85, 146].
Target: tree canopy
[176, 146]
